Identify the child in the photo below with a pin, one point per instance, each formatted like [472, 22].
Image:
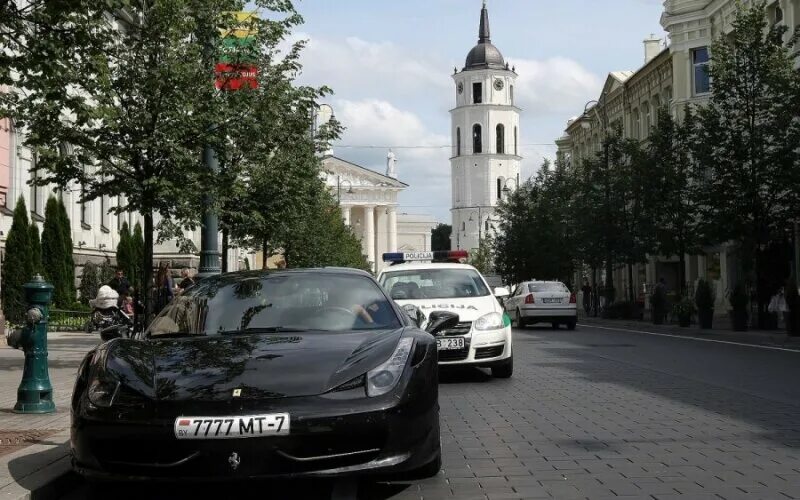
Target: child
[127, 305]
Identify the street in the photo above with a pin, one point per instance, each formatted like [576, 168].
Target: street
[594, 413]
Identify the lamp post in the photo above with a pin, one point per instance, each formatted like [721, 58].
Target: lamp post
[506, 190]
[602, 118]
[339, 183]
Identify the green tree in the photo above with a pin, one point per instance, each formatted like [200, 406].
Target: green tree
[673, 206]
[748, 163]
[154, 104]
[105, 272]
[53, 254]
[137, 253]
[35, 250]
[17, 264]
[90, 282]
[126, 259]
[440, 237]
[65, 226]
[483, 259]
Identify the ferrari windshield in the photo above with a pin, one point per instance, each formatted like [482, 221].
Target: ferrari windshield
[273, 303]
[443, 283]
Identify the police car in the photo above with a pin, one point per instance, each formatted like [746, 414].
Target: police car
[440, 281]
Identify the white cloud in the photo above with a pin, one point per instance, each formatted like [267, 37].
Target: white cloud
[389, 95]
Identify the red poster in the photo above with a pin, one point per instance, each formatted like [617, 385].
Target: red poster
[235, 76]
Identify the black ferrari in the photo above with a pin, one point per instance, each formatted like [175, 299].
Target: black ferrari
[256, 374]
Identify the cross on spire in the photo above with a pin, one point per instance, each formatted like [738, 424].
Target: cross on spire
[483, 33]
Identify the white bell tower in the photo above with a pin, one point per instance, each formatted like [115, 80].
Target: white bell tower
[485, 158]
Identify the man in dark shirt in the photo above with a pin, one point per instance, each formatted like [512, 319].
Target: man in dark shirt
[187, 280]
[587, 296]
[120, 283]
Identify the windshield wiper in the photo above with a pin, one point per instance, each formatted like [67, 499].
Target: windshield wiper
[266, 329]
[175, 335]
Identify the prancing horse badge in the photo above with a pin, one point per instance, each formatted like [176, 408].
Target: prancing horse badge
[237, 393]
[234, 460]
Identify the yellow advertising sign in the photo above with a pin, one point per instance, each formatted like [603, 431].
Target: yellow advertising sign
[243, 25]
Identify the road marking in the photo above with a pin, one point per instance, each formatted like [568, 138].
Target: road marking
[692, 338]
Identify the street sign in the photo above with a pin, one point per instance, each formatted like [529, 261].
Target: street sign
[236, 68]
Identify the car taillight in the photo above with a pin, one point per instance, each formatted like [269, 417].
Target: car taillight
[573, 299]
[529, 299]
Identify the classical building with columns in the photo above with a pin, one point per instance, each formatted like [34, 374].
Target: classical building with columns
[485, 162]
[368, 200]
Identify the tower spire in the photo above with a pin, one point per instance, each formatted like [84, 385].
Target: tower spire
[483, 33]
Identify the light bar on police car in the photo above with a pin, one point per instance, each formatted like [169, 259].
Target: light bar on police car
[442, 255]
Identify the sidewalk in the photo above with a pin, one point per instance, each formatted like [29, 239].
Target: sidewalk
[721, 331]
[34, 449]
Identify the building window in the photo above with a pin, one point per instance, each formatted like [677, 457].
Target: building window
[511, 93]
[477, 145]
[84, 207]
[516, 150]
[499, 188]
[635, 124]
[477, 93]
[702, 80]
[501, 139]
[486, 225]
[458, 141]
[777, 14]
[646, 122]
[463, 226]
[104, 220]
[121, 215]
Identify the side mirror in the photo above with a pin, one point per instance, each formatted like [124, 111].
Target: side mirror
[441, 320]
[501, 292]
[416, 315]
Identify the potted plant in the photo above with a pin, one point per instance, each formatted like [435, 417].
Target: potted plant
[683, 309]
[739, 314]
[659, 303]
[792, 316]
[704, 300]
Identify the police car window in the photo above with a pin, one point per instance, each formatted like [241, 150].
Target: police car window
[421, 284]
[547, 287]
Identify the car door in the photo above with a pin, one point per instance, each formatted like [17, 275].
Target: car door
[513, 302]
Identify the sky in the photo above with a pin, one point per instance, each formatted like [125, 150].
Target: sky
[389, 63]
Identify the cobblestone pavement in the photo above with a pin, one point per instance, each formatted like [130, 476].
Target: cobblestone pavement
[600, 414]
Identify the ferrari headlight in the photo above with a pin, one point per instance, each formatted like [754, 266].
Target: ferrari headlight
[383, 378]
[491, 321]
[102, 392]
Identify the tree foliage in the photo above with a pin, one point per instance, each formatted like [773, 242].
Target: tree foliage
[748, 163]
[57, 253]
[90, 282]
[440, 237]
[35, 246]
[17, 264]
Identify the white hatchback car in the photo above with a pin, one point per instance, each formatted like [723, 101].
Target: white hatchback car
[482, 336]
[542, 302]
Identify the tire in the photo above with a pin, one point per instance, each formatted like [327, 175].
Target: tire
[505, 370]
[572, 324]
[520, 320]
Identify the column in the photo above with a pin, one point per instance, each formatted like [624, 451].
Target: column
[346, 209]
[392, 229]
[702, 267]
[381, 235]
[369, 234]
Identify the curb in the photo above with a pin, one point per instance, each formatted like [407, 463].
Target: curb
[38, 472]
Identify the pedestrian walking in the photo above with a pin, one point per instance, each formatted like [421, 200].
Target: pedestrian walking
[165, 287]
[778, 308]
[119, 283]
[587, 295]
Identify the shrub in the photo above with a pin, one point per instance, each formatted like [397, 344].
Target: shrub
[90, 283]
[683, 308]
[704, 296]
[17, 264]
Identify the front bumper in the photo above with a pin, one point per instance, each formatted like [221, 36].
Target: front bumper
[329, 436]
[482, 349]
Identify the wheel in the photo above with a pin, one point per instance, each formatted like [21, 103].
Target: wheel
[555, 326]
[520, 320]
[572, 324]
[505, 370]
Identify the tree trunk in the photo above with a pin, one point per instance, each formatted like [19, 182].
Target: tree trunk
[681, 274]
[592, 295]
[630, 283]
[264, 254]
[147, 268]
[609, 291]
[224, 249]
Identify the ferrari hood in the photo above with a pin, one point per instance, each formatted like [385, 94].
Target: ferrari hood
[468, 309]
[259, 366]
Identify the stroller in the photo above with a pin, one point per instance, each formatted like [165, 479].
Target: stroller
[107, 317]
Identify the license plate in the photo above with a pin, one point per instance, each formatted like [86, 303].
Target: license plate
[551, 301]
[450, 344]
[231, 427]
